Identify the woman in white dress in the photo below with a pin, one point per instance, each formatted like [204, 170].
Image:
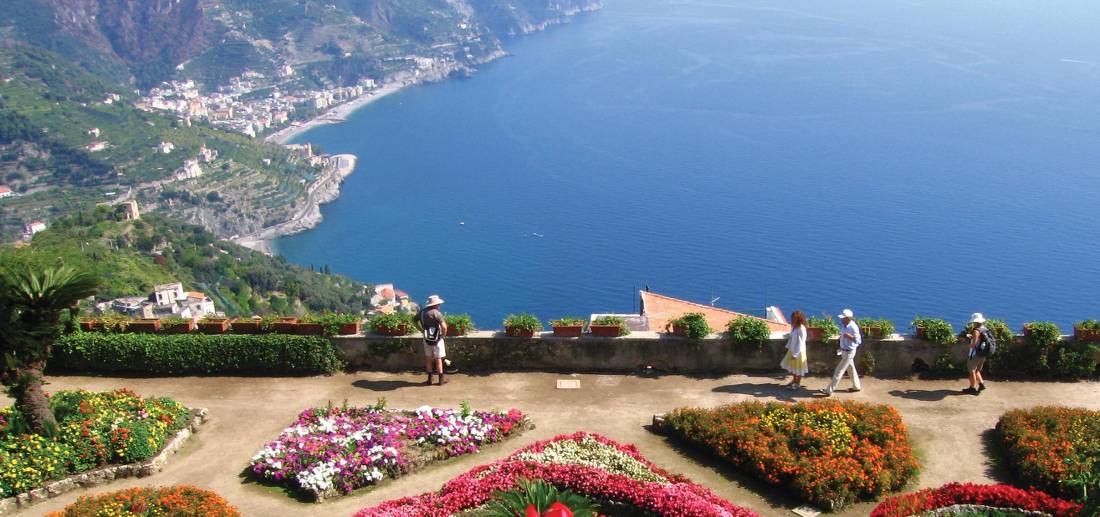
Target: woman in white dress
[796, 361]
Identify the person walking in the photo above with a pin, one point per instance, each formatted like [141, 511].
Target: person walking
[982, 345]
[850, 339]
[796, 360]
[434, 327]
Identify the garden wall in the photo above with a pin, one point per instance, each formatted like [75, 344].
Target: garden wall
[493, 351]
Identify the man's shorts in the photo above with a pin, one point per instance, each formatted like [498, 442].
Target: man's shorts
[975, 363]
[436, 351]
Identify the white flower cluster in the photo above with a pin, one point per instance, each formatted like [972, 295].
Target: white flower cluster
[450, 426]
[320, 477]
[592, 453]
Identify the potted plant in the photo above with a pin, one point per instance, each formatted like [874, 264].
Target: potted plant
[934, 330]
[90, 324]
[341, 324]
[310, 325]
[143, 325]
[821, 329]
[285, 324]
[113, 322]
[876, 328]
[177, 325]
[608, 326]
[458, 324]
[393, 324]
[214, 325]
[253, 325]
[568, 327]
[1087, 331]
[521, 325]
[692, 325]
[749, 330]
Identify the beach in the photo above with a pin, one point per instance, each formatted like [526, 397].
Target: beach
[336, 114]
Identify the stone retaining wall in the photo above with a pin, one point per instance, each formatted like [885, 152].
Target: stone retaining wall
[107, 474]
[487, 351]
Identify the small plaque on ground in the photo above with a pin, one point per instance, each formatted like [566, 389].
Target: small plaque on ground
[807, 511]
[569, 384]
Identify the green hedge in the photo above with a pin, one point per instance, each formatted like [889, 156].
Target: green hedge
[194, 354]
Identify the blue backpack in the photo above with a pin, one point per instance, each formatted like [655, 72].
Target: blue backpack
[987, 344]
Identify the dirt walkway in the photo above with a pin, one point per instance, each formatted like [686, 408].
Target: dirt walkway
[245, 413]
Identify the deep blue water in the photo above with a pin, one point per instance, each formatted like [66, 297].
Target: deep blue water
[901, 158]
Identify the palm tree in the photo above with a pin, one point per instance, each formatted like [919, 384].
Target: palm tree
[31, 303]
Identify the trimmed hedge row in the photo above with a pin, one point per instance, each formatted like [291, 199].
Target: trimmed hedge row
[194, 354]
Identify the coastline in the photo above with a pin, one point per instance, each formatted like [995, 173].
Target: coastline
[336, 114]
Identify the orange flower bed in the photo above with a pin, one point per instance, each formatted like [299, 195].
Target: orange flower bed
[177, 501]
[1047, 445]
[829, 453]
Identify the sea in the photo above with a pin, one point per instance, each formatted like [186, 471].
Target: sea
[899, 158]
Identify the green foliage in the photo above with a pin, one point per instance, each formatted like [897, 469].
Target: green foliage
[694, 324]
[749, 331]
[392, 322]
[461, 323]
[568, 321]
[332, 321]
[1042, 353]
[541, 495]
[523, 322]
[1088, 325]
[173, 320]
[883, 326]
[946, 366]
[183, 354]
[934, 330]
[829, 328]
[613, 321]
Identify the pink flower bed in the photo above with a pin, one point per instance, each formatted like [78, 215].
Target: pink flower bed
[994, 496]
[588, 464]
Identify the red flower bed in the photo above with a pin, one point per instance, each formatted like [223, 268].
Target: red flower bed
[177, 501]
[1047, 445]
[829, 453]
[580, 466]
[995, 496]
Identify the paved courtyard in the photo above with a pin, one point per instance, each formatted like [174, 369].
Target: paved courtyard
[948, 428]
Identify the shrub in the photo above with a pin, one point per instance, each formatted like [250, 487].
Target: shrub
[829, 328]
[934, 330]
[461, 322]
[538, 496]
[1047, 446]
[568, 321]
[195, 354]
[694, 324]
[332, 321]
[1002, 497]
[392, 322]
[1042, 353]
[1091, 325]
[613, 321]
[179, 501]
[523, 322]
[829, 453]
[94, 429]
[749, 331]
[884, 326]
[113, 322]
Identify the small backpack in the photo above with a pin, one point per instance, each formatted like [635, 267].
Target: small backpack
[431, 333]
[987, 345]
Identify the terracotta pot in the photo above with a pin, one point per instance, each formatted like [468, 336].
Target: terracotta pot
[144, 326]
[456, 331]
[921, 332]
[180, 328]
[214, 326]
[285, 325]
[814, 333]
[350, 329]
[1027, 330]
[515, 332]
[568, 331]
[90, 325]
[1086, 335]
[872, 332]
[679, 330]
[604, 330]
[249, 326]
[401, 330]
[309, 329]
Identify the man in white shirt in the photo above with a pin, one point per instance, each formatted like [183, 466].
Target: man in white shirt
[850, 339]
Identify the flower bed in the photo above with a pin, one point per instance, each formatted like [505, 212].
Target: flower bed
[587, 464]
[1047, 445]
[178, 501]
[1000, 497]
[335, 450]
[829, 453]
[95, 429]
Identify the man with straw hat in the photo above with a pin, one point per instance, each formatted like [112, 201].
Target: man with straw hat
[431, 323]
[850, 339]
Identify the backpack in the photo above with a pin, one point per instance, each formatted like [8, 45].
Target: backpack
[431, 333]
[987, 345]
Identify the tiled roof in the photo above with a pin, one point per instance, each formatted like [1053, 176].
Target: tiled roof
[661, 309]
[196, 295]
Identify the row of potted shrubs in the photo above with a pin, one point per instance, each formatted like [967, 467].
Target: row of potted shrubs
[328, 324]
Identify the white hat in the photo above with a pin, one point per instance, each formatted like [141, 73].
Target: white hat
[433, 300]
[846, 313]
[977, 318]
